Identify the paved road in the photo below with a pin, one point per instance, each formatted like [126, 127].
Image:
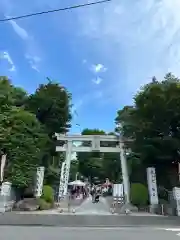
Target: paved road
[89, 208]
[56, 233]
[87, 215]
[87, 220]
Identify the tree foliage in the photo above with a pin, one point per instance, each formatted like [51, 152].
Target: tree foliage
[95, 165]
[22, 139]
[10, 95]
[153, 122]
[139, 194]
[27, 123]
[51, 105]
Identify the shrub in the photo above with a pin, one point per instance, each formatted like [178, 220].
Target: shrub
[48, 194]
[139, 194]
[43, 205]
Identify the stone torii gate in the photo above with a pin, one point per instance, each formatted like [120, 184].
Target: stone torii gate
[90, 143]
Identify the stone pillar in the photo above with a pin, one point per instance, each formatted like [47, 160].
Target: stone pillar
[6, 189]
[39, 182]
[125, 175]
[152, 188]
[5, 195]
[176, 195]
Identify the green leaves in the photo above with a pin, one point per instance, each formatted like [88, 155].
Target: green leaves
[99, 165]
[27, 124]
[10, 95]
[23, 139]
[154, 122]
[51, 105]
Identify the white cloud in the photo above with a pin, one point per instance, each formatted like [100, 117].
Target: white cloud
[30, 43]
[97, 68]
[97, 80]
[5, 55]
[33, 61]
[21, 32]
[139, 39]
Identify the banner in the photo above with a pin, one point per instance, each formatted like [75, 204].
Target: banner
[152, 186]
[3, 163]
[39, 181]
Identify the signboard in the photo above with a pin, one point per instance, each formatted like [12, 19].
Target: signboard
[118, 190]
[39, 181]
[176, 194]
[152, 185]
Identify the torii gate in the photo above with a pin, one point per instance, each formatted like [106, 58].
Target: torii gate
[94, 143]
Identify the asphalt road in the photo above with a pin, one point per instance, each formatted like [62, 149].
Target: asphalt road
[87, 215]
[56, 233]
[14, 219]
[89, 208]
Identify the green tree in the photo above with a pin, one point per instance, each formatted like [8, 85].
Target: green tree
[112, 167]
[95, 131]
[139, 195]
[99, 165]
[23, 139]
[27, 125]
[10, 95]
[153, 122]
[51, 103]
[90, 163]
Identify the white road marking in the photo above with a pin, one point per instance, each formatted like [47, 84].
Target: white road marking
[173, 229]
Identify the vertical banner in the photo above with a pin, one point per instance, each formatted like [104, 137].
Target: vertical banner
[61, 181]
[176, 195]
[39, 181]
[152, 186]
[3, 163]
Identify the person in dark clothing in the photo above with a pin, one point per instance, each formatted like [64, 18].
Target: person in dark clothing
[93, 192]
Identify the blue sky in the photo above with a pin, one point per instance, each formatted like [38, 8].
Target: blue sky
[102, 54]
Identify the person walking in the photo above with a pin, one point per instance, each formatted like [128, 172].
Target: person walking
[93, 192]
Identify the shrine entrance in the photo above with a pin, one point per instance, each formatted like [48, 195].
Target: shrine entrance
[90, 143]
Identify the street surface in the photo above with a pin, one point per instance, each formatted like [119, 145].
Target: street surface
[89, 208]
[56, 233]
[87, 215]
